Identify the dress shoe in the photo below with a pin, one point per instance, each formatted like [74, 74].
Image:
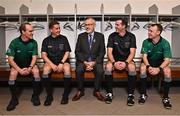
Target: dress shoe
[12, 104]
[64, 100]
[48, 100]
[99, 96]
[78, 95]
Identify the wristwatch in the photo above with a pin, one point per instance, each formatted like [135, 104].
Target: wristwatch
[61, 62]
[113, 63]
[126, 63]
[147, 66]
[161, 69]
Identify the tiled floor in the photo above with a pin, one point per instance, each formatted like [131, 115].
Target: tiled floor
[89, 105]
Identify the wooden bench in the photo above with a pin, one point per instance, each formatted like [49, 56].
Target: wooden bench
[175, 70]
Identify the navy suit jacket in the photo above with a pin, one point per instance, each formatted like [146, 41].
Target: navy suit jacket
[83, 50]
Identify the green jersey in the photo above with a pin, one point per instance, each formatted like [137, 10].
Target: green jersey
[156, 52]
[22, 51]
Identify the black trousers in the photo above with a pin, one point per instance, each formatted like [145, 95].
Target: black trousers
[98, 72]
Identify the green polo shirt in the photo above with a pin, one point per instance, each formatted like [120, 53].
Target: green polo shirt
[156, 52]
[22, 51]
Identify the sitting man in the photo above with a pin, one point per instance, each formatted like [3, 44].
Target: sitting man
[121, 49]
[22, 55]
[90, 51]
[55, 52]
[156, 53]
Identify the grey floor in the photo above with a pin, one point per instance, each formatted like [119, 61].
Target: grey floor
[89, 105]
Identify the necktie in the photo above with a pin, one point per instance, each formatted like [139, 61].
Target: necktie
[90, 41]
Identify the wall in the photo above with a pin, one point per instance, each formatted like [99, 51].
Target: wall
[87, 7]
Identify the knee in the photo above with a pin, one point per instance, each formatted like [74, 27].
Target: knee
[109, 66]
[142, 69]
[131, 67]
[46, 70]
[35, 71]
[13, 73]
[167, 72]
[67, 69]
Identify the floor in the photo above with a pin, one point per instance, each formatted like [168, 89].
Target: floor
[89, 105]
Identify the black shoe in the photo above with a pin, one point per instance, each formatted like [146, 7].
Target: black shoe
[142, 99]
[130, 100]
[12, 104]
[167, 103]
[35, 100]
[64, 100]
[48, 100]
[109, 97]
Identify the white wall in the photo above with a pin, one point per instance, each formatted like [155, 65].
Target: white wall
[87, 7]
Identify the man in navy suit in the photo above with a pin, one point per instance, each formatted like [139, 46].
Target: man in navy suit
[90, 51]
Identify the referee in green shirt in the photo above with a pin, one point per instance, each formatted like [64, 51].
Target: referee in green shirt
[156, 53]
[22, 55]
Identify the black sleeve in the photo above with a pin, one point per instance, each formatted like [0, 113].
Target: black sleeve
[67, 46]
[44, 47]
[110, 41]
[133, 41]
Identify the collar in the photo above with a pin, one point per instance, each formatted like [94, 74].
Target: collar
[92, 34]
[150, 40]
[25, 42]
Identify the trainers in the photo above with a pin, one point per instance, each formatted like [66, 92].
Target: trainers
[35, 100]
[48, 100]
[109, 97]
[167, 103]
[142, 99]
[12, 104]
[130, 100]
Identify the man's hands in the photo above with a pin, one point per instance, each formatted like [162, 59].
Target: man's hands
[57, 68]
[119, 65]
[89, 65]
[25, 71]
[153, 70]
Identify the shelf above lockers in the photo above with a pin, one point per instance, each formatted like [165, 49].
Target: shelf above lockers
[9, 17]
[144, 17]
[168, 18]
[34, 17]
[114, 17]
[61, 17]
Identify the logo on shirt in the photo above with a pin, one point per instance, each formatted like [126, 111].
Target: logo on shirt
[18, 51]
[61, 46]
[127, 44]
[49, 46]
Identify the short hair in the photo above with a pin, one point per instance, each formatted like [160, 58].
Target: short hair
[52, 23]
[23, 26]
[159, 27]
[124, 22]
[90, 18]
